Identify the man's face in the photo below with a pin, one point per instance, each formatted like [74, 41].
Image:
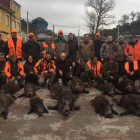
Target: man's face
[111, 61]
[14, 59]
[110, 38]
[31, 38]
[30, 59]
[133, 40]
[86, 38]
[48, 56]
[97, 37]
[121, 39]
[95, 60]
[2, 58]
[70, 36]
[48, 39]
[14, 35]
[130, 58]
[60, 35]
[63, 57]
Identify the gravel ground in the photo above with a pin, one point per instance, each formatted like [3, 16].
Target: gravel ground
[84, 124]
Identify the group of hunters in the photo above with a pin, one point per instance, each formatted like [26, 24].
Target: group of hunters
[90, 60]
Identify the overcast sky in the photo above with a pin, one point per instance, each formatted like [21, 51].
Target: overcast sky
[70, 12]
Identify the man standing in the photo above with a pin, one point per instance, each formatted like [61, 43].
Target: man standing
[94, 70]
[2, 66]
[107, 49]
[14, 45]
[133, 47]
[86, 49]
[32, 48]
[63, 68]
[14, 70]
[119, 54]
[110, 71]
[73, 48]
[2, 46]
[60, 45]
[131, 68]
[45, 69]
[48, 46]
[97, 45]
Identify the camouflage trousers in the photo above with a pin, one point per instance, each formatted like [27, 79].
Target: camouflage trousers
[51, 76]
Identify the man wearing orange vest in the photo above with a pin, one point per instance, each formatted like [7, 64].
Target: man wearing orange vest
[48, 46]
[133, 47]
[94, 70]
[14, 70]
[132, 69]
[14, 45]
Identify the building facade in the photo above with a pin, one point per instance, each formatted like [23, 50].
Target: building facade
[10, 18]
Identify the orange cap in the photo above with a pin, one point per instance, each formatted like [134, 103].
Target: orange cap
[60, 31]
[97, 34]
[14, 31]
[31, 34]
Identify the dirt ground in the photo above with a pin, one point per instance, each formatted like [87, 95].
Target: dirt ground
[84, 124]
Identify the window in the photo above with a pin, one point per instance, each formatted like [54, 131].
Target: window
[14, 24]
[7, 20]
[18, 26]
[15, 7]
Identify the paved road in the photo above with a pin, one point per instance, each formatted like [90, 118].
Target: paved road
[81, 125]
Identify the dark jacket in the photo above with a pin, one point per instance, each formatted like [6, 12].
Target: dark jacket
[28, 67]
[33, 49]
[3, 47]
[97, 46]
[77, 69]
[2, 66]
[64, 66]
[113, 68]
[73, 48]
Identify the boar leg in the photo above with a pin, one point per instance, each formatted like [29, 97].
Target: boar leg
[22, 95]
[5, 114]
[86, 91]
[113, 111]
[46, 111]
[31, 111]
[126, 113]
[53, 107]
[76, 107]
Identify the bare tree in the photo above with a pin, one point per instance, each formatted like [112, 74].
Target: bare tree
[133, 15]
[124, 19]
[99, 14]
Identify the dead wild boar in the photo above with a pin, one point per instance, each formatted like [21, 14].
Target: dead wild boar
[5, 101]
[131, 103]
[29, 91]
[103, 107]
[127, 87]
[37, 106]
[10, 88]
[55, 90]
[77, 86]
[65, 104]
[107, 88]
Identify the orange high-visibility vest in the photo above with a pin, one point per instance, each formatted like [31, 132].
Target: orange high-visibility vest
[12, 47]
[46, 46]
[97, 70]
[135, 66]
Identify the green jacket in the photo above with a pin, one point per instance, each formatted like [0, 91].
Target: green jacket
[61, 47]
[113, 68]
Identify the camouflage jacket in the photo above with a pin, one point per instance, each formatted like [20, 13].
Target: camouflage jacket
[107, 49]
[119, 51]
